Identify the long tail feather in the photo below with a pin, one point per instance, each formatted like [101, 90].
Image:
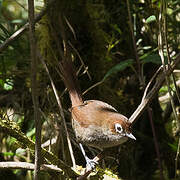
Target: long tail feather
[70, 80]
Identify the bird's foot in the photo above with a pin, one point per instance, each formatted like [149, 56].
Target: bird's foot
[90, 164]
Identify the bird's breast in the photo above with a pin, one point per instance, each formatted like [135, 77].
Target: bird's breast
[98, 137]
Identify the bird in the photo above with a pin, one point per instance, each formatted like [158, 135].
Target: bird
[95, 123]
[99, 125]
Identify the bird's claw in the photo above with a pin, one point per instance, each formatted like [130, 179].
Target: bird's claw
[91, 164]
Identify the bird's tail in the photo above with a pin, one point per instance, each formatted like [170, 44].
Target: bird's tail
[71, 82]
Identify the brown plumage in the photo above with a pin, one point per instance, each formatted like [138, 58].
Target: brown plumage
[95, 123]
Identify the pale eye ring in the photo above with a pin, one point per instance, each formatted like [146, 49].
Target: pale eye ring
[118, 128]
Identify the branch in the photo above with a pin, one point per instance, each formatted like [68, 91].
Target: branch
[149, 97]
[19, 32]
[99, 157]
[34, 88]
[11, 129]
[29, 166]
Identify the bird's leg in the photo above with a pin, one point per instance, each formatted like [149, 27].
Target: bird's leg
[90, 163]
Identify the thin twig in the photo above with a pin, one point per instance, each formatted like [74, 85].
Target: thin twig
[60, 109]
[34, 85]
[142, 82]
[168, 53]
[163, 28]
[155, 142]
[82, 62]
[150, 82]
[29, 166]
[49, 142]
[65, 57]
[176, 158]
[21, 5]
[93, 86]
[155, 89]
[70, 27]
[161, 54]
[169, 60]
[140, 75]
[62, 55]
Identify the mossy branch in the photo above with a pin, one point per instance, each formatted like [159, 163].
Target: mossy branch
[11, 128]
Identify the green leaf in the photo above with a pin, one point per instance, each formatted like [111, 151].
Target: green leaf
[11, 140]
[4, 30]
[8, 85]
[8, 154]
[2, 38]
[31, 133]
[163, 90]
[1, 83]
[146, 47]
[115, 27]
[17, 21]
[173, 147]
[152, 58]
[151, 19]
[119, 67]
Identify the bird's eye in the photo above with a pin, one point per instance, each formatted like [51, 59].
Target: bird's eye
[118, 128]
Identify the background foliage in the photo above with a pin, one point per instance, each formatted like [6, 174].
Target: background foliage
[100, 36]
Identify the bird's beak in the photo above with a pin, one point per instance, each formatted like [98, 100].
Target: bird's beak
[129, 135]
